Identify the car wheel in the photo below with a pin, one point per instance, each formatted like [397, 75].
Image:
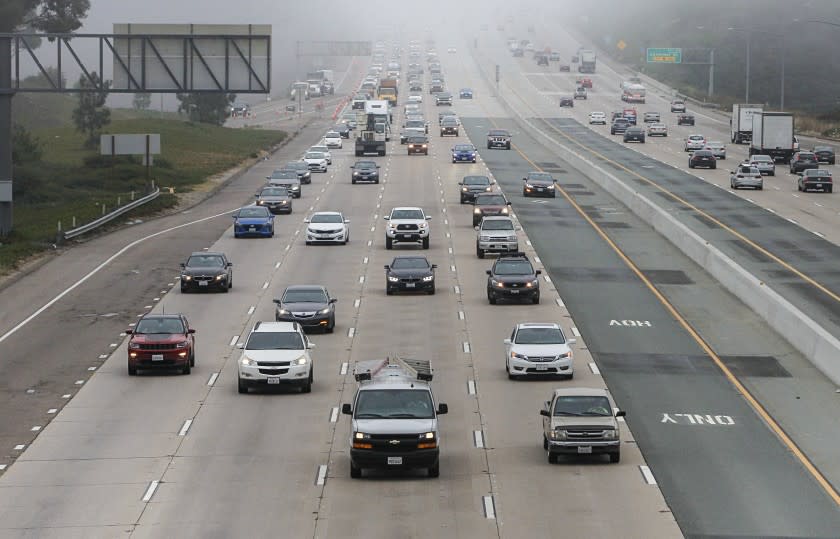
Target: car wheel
[187, 369]
[507, 147]
[479, 252]
[545, 443]
[798, 186]
[432, 291]
[552, 458]
[536, 299]
[243, 388]
[192, 358]
[225, 290]
[331, 326]
[355, 471]
[713, 167]
[388, 291]
[353, 181]
[132, 371]
[307, 387]
[426, 242]
[829, 189]
[434, 471]
[615, 457]
[491, 298]
[389, 243]
[183, 289]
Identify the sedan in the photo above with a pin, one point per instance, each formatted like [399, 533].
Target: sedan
[443, 98]
[324, 150]
[677, 105]
[343, 131]
[311, 306]
[634, 134]
[333, 140]
[619, 126]
[302, 170]
[685, 119]
[317, 161]
[538, 184]
[411, 273]
[825, 154]
[651, 117]
[746, 176]
[597, 117]
[657, 130]
[472, 185]
[206, 271]
[327, 227]
[815, 178]
[464, 153]
[702, 158]
[764, 164]
[253, 221]
[465, 93]
[695, 142]
[567, 101]
[718, 148]
[276, 199]
[538, 349]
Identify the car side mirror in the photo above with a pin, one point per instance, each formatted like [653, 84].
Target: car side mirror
[182, 265]
[129, 331]
[460, 183]
[524, 179]
[268, 177]
[488, 272]
[620, 413]
[191, 331]
[545, 413]
[257, 195]
[386, 217]
[230, 264]
[333, 300]
[241, 345]
[442, 409]
[387, 267]
[310, 345]
[506, 341]
[306, 220]
[346, 409]
[428, 217]
[346, 221]
[434, 266]
[475, 227]
[571, 341]
[538, 272]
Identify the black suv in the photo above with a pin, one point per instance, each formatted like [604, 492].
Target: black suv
[206, 271]
[311, 306]
[365, 171]
[619, 126]
[538, 184]
[473, 185]
[411, 273]
[513, 277]
[825, 154]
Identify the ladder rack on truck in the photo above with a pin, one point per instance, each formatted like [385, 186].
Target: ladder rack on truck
[418, 369]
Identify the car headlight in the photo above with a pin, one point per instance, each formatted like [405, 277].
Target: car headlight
[427, 436]
[610, 434]
[464, 189]
[356, 173]
[133, 346]
[428, 278]
[423, 225]
[550, 186]
[488, 188]
[393, 279]
[565, 356]
[220, 277]
[247, 362]
[558, 434]
[477, 210]
[533, 283]
[186, 277]
[282, 311]
[484, 238]
[324, 311]
[182, 344]
[529, 186]
[260, 202]
[302, 360]
[514, 355]
[505, 210]
[511, 238]
[361, 436]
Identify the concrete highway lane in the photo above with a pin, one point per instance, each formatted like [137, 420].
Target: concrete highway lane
[714, 456]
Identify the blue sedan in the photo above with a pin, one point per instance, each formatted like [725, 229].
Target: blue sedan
[253, 221]
[464, 153]
[466, 93]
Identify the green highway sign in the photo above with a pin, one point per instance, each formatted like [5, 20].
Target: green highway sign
[664, 56]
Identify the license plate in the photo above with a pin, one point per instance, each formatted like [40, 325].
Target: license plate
[252, 229]
[585, 449]
[405, 236]
[514, 291]
[272, 381]
[157, 357]
[202, 283]
[541, 189]
[409, 285]
[394, 461]
[542, 368]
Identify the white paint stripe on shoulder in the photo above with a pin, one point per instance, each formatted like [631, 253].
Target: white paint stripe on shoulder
[489, 507]
[648, 475]
[150, 491]
[322, 475]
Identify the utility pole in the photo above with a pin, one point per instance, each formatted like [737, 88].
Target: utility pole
[749, 39]
[6, 168]
[711, 72]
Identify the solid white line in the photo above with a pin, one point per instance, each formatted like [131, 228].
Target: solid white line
[489, 509]
[648, 475]
[528, 242]
[213, 378]
[103, 356]
[560, 302]
[471, 387]
[537, 260]
[466, 347]
[547, 278]
[98, 268]
[771, 210]
[334, 414]
[594, 368]
[20, 447]
[575, 331]
[344, 367]
[52, 410]
[185, 427]
[351, 332]
[151, 490]
[233, 340]
[277, 265]
[478, 439]
[818, 233]
[251, 310]
[322, 475]
[2, 467]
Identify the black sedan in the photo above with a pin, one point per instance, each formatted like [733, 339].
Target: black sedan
[634, 134]
[472, 185]
[206, 271]
[538, 184]
[410, 273]
[343, 130]
[702, 158]
[276, 199]
[311, 306]
[825, 154]
[365, 171]
[567, 101]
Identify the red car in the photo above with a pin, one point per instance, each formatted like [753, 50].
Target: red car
[161, 341]
[586, 82]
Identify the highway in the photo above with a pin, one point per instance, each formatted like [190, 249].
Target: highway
[165, 454]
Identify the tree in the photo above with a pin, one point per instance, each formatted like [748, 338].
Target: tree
[142, 101]
[26, 147]
[91, 115]
[55, 16]
[206, 108]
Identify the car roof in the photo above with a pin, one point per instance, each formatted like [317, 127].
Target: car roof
[581, 392]
[407, 208]
[326, 213]
[275, 327]
[537, 325]
[497, 218]
[305, 287]
[162, 315]
[411, 257]
[206, 253]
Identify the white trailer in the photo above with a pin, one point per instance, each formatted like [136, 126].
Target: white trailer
[772, 134]
[741, 123]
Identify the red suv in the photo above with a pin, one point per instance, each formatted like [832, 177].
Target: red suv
[161, 341]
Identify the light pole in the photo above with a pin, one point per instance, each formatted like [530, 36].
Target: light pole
[781, 35]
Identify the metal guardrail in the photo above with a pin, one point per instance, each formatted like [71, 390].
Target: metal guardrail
[79, 230]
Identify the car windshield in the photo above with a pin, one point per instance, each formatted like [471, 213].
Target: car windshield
[417, 140]
[540, 176]
[498, 133]
[327, 218]
[818, 172]
[805, 156]
[275, 340]
[491, 200]
[407, 214]
[410, 263]
[476, 180]
[274, 192]
[283, 175]
[394, 404]
[416, 123]
[295, 165]
[331, 134]
[747, 170]
[306, 295]
[540, 336]
[762, 158]
[315, 155]
[496, 224]
[582, 406]
[464, 148]
[365, 164]
[205, 261]
[514, 267]
[150, 326]
[253, 212]
[449, 121]
[823, 149]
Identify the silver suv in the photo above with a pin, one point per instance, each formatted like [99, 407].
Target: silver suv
[395, 418]
[276, 353]
[581, 421]
[496, 234]
[407, 225]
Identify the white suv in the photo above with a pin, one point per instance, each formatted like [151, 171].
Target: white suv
[276, 353]
[538, 349]
[407, 225]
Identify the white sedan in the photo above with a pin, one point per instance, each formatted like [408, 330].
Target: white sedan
[324, 149]
[538, 349]
[316, 161]
[327, 227]
[333, 140]
[597, 117]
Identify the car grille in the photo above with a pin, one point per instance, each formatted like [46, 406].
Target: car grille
[499, 238]
[541, 359]
[488, 211]
[158, 347]
[271, 372]
[585, 435]
[386, 442]
[407, 227]
[336, 231]
[272, 364]
[410, 280]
